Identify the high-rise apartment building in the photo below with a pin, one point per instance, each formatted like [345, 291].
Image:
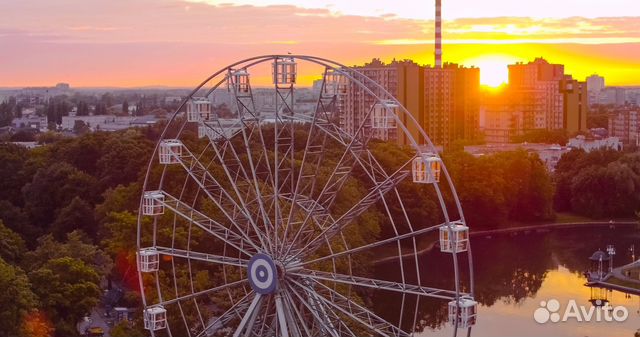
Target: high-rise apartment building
[548, 98]
[575, 104]
[451, 104]
[500, 120]
[596, 85]
[536, 87]
[403, 79]
[444, 101]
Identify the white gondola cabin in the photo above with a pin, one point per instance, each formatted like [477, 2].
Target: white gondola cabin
[465, 312]
[205, 131]
[199, 109]
[384, 114]
[335, 83]
[152, 203]
[284, 71]
[239, 82]
[426, 169]
[148, 260]
[170, 151]
[456, 239]
[155, 318]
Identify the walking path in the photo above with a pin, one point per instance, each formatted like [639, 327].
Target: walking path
[619, 274]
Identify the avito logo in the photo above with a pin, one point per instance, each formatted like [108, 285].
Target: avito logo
[550, 311]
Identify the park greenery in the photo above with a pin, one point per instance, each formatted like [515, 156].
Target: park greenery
[68, 214]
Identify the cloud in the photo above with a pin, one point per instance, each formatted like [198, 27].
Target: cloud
[161, 42]
[136, 21]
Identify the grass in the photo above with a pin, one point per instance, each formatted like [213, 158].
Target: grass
[567, 217]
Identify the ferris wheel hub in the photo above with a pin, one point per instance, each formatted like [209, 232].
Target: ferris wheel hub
[263, 274]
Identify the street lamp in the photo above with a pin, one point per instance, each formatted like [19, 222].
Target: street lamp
[611, 250]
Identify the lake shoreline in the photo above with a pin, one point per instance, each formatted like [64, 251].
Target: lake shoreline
[539, 228]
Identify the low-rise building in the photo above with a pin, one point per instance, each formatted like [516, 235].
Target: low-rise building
[583, 143]
[625, 124]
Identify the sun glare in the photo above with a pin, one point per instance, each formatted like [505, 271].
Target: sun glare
[493, 69]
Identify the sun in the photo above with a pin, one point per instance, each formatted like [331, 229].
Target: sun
[494, 69]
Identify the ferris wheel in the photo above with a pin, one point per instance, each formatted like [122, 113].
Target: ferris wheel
[263, 207]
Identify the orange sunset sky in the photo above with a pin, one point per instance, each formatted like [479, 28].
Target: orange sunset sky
[129, 43]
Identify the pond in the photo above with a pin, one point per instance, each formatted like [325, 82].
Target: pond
[513, 275]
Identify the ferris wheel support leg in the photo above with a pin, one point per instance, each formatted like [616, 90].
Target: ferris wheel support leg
[312, 306]
[295, 313]
[282, 320]
[248, 315]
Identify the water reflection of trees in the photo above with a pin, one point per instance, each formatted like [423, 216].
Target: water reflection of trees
[508, 269]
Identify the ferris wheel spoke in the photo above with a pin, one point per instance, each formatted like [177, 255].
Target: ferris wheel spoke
[249, 315]
[313, 155]
[283, 150]
[204, 257]
[360, 207]
[369, 246]
[268, 225]
[317, 310]
[214, 190]
[242, 197]
[203, 292]
[342, 170]
[282, 318]
[354, 311]
[300, 329]
[236, 310]
[207, 224]
[377, 284]
[335, 323]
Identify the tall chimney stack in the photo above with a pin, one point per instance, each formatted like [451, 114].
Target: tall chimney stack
[438, 34]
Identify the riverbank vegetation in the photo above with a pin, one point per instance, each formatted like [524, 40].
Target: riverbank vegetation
[68, 213]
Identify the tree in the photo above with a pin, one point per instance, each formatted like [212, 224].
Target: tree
[543, 136]
[12, 176]
[68, 289]
[78, 215]
[80, 127]
[125, 107]
[126, 329]
[119, 199]
[124, 158]
[12, 246]
[598, 184]
[17, 220]
[16, 299]
[53, 188]
[77, 246]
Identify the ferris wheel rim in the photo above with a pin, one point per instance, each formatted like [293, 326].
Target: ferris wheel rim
[261, 59]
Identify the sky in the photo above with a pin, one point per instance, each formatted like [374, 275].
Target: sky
[131, 43]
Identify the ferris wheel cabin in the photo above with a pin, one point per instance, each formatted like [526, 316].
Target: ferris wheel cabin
[454, 239]
[284, 71]
[148, 260]
[152, 203]
[384, 115]
[467, 312]
[199, 108]
[170, 151]
[155, 318]
[238, 81]
[335, 83]
[426, 169]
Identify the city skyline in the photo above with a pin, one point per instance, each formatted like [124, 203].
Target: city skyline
[174, 42]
